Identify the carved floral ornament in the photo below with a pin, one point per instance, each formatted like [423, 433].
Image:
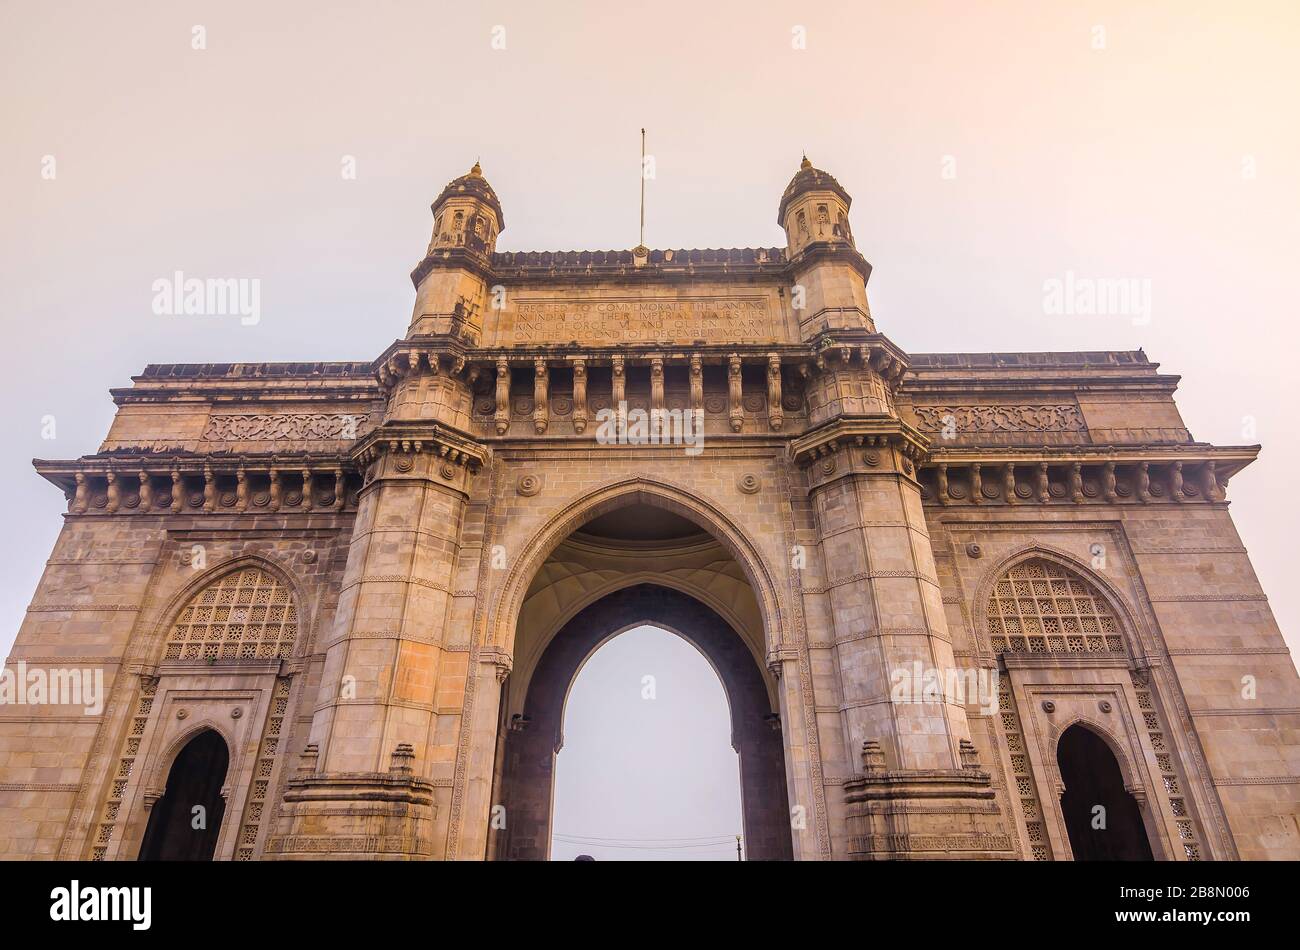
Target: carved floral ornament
[1002, 418]
[285, 427]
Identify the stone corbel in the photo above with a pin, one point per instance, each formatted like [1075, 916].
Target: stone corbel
[541, 382]
[1042, 485]
[579, 395]
[150, 796]
[1176, 482]
[274, 504]
[500, 659]
[776, 660]
[306, 490]
[697, 383]
[114, 492]
[209, 489]
[976, 484]
[618, 385]
[146, 491]
[339, 489]
[942, 474]
[1076, 483]
[178, 491]
[1009, 483]
[81, 499]
[775, 414]
[1210, 482]
[657, 383]
[241, 489]
[1108, 491]
[735, 410]
[502, 415]
[1144, 482]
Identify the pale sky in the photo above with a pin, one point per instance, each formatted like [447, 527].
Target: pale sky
[1155, 141]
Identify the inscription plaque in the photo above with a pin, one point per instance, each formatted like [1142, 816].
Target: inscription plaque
[637, 319]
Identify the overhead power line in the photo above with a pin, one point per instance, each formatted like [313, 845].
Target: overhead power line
[721, 837]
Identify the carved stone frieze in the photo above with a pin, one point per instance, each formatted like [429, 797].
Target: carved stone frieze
[1001, 418]
[285, 427]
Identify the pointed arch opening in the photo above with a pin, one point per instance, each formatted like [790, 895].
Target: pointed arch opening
[1102, 818]
[646, 770]
[531, 738]
[185, 823]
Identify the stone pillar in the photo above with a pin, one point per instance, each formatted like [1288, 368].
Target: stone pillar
[916, 795]
[369, 795]
[657, 383]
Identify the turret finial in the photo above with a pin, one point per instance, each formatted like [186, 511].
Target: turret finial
[805, 163]
[476, 171]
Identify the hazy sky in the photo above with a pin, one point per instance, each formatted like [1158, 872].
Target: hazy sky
[989, 147]
[647, 763]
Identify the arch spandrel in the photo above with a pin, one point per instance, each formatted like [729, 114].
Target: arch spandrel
[543, 542]
[583, 569]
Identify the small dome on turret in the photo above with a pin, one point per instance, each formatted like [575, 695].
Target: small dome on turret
[810, 179]
[472, 185]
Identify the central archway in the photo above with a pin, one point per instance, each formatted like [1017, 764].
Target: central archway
[531, 738]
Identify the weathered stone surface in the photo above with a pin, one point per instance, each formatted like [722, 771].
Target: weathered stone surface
[365, 576]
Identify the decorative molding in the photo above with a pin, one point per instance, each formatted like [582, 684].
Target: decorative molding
[1001, 418]
[65, 608]
[285, 427]
[1260, 780]
[1208, 598]
[867, 575]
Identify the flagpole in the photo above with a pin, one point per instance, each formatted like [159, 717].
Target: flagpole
[642, 241]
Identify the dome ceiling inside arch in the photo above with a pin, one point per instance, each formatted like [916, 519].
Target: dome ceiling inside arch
[641, 523]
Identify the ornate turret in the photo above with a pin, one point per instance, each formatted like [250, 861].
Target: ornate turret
[814, 209]
[467, 214]
[830, 276]
[451, 288]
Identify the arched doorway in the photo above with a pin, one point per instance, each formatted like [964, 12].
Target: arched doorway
[531, 738]
[177, 829]
[1101, 817]
[647, 771]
